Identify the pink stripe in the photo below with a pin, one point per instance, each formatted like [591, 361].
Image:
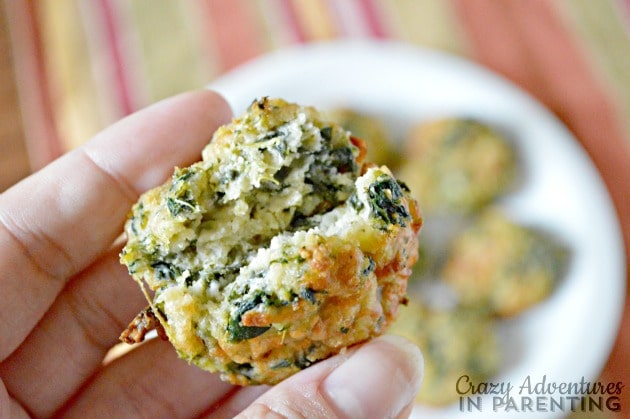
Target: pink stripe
[120, 78]
[293, 23]
[34, 84]
[235, 32]
[373, 19]
[625, 6]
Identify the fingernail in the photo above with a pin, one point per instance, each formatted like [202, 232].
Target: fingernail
[379, 380]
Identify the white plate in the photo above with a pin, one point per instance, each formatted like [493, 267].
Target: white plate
[569, 336]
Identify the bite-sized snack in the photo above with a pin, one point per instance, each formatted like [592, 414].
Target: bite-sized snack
[454, 343]
[380, 147]
[500, 265]
[280, 248]
[457, 165]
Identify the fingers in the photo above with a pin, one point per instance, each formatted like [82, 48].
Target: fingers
[9, 408]
[235, 402]
[56, 222]
[5, 407]
[379, 379]
[148, 382]
[81, 326]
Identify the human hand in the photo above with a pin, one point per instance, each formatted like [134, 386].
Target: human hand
[65, 298]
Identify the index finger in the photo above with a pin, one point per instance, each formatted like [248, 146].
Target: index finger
[54, 223]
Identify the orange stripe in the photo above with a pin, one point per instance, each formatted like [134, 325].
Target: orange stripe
[292, 21]
[528, 43]
[314, 19]
[76, 107]
[42, 137]
[234, 31]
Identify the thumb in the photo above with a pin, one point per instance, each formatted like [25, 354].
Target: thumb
[377, 379]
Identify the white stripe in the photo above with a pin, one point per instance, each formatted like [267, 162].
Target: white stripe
[102, 68]
[350, 15]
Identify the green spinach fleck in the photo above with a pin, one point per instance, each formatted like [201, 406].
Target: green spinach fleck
[326, 133]
[165, 270]
[385, 200]
[178, 206]
[309, 295]
[238, 332]
[281, 364]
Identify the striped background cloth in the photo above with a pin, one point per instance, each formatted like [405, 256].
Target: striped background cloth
[84, 64]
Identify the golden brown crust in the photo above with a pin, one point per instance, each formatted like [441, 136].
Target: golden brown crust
[142, 324]
[350, 308]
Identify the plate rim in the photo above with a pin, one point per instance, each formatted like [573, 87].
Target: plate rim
[229, 82]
